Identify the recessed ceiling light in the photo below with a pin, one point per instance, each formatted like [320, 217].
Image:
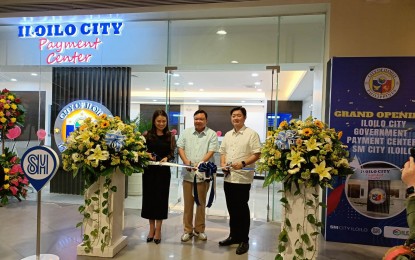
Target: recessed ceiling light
[197, 101]
[201, 89]
[257, 83]
[254, 74]
[147, 88]
[13, 79]
[176, 75]
[176, 83]
[221, 32]
[242, 101]
[259, 90]
[33, 74]
[234, 61]
[190, 83]
[154, 100]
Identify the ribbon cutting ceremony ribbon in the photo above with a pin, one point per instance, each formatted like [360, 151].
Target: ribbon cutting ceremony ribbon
[189, 166]
[209, 169]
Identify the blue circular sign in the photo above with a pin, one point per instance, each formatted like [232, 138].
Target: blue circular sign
[39, 165]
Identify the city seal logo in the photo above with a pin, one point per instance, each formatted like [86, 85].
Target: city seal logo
[382, 83]
[377, 196]
[72, 116]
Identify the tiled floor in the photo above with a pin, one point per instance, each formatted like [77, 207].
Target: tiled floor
[60, 237]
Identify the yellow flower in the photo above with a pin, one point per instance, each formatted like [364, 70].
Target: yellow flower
[307, 131]
[14, 106]
[83, 127]
[6, 170]
[319, 124]
[321, 170]
[1, 114]
[295, 159]
[98, 155]
[13, 119]
[6, 177]
[312, 144]
[3, 120]
[2, 100]
[283, 124]
[6, 106]
[10, 97]
[294, 171]
[103, 116]
[340, 134]
[105, 124]
[6, 186]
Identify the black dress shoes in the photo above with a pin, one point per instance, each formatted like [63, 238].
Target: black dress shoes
[227, 242]
[243, 247]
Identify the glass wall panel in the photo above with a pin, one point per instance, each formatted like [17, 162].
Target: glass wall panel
[302, 39]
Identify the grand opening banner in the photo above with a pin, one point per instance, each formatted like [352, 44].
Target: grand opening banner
[372, 100]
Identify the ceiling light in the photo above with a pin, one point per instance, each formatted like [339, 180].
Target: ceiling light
[190, 83]
[147, 88]
[201, 89]
[259, 90]
[254, 74]
[257, 83]
[13, 79]
[234, 61]
[33, 74]
[176, 75]
[154, 100]
[221, 32]
[197, 101]
[176, 83]
[242, 101]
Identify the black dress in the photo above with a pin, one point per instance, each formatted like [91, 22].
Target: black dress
[156, 179]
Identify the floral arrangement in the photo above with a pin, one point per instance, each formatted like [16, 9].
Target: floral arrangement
[303, 155]
[304, 152]
[96, 149]
[12, 112]
[15, 182]
[99, 146]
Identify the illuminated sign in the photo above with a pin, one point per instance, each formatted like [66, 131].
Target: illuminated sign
[56, 30]
[72, 116]
[58, 48]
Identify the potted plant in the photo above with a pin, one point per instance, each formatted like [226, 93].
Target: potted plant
[304, 156]
[104, 151]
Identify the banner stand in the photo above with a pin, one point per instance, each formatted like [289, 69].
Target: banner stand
[39, 256]
[40, 164]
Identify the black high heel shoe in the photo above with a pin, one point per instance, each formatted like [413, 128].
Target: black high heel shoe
[149, 239]
[157, 241]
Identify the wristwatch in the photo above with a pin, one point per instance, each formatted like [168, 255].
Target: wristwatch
[244, 164]
[410, 190]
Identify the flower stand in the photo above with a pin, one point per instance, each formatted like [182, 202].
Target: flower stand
[115, 222]
[301, 207]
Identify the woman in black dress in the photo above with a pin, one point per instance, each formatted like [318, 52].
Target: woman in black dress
[156, 179]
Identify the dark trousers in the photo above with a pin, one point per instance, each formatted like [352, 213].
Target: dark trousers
[237, 197]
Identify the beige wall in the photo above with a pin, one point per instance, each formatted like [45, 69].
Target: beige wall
[370, 28]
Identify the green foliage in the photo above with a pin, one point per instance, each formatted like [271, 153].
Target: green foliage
[93, 206]
[303, 155]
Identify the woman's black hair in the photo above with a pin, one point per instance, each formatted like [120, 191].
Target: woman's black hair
[153, 131]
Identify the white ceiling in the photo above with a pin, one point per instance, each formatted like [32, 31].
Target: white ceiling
[295, 81]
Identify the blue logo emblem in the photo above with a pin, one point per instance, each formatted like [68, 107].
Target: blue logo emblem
[39, 164]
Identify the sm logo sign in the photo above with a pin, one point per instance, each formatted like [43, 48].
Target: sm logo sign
[39, 164]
